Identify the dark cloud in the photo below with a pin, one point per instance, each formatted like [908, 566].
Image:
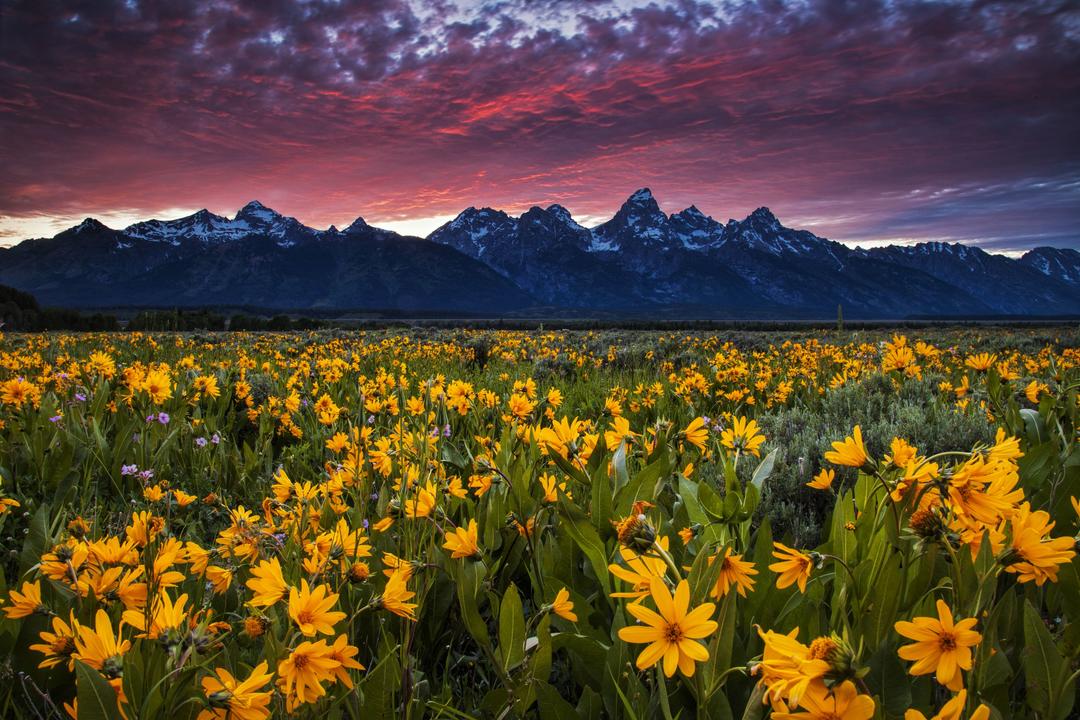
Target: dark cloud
[861, 119]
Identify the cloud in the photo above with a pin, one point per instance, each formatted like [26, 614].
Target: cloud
[844, 115]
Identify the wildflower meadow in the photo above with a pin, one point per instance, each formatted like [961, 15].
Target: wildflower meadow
[527, 524]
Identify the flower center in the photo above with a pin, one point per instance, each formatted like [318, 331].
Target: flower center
[300, 662]
[304, 617]
[673, 633]
[947, 641]
[822, 648]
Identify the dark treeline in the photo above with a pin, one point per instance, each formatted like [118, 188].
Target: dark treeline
[20, 311]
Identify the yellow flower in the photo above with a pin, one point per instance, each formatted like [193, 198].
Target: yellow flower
[311, 609]
[620, 431]
[850, 451]
[396, 595]
[165, 615]
[901, 453]
[158, 386]
[672, 632]
[344, 653]
[981, 362]
[734, 571]
[1035, 555]
[231, 699]
[301, 674]
[520, 406]
[267, 583]
[941, 646]
[100, 648]
[743, 435]
[696, 433]
[842, 702]
[462, 543]
[563, 606]
[57, 646]
[640, 570]
[27, 602]
[823, 480]
[793, 566]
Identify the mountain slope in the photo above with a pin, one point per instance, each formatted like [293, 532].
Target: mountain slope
[485, 261]
[274, 263]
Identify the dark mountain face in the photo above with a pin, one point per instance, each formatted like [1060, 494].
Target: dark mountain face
[487, 262]
[260, 259]
[1058, 263]
[1000, 283]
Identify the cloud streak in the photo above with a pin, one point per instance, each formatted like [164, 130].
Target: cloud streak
[866, 121]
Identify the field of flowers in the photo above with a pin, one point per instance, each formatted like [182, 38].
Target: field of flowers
[495, 524]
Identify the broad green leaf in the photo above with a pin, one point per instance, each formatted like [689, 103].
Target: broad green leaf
[511, 629]
[97, 699]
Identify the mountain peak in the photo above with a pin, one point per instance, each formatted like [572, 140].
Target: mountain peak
[640, 196]
[765, 215]
[90, 225]
[255, 210]
[358, 224]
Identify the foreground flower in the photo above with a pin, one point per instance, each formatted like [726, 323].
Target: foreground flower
[941, 646]
[823, 480]
[462, 542]
[696, 433]
[396, 595]
[57, 646]
[672, 632]
[100, 648]
[26, 603]
[267, 583]
[842, 702]
[743, 435]
[851, 451]
[311, 609]
[563, 606]
[734, 571]
[302, 673]
[230, 699]
[792, 566]
[1035, 556]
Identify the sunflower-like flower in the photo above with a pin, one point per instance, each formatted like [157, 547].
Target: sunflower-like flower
[941, 646]
[396, 594]
[268, 583]
[672, 631]
[59, 645]
[743, 435]
[734, 572]
[792, 566]
[850, 452]
[311, 609]
[563, 606]
[463, 542]
[232, 699]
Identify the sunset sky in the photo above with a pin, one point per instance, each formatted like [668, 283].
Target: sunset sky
[866, 122]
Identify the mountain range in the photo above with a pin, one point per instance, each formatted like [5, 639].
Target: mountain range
[487, 262]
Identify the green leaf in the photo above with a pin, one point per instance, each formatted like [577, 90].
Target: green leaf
[97, 699]
[511, 629]
[1044, 668]
[469, 575]
[551, 704]
[579, 528]
[764, 470]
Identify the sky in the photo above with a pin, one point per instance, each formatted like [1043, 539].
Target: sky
[868, 122]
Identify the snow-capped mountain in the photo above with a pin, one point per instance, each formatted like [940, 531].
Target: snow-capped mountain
[1058, 263]
[486, 261]
[206, 227]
